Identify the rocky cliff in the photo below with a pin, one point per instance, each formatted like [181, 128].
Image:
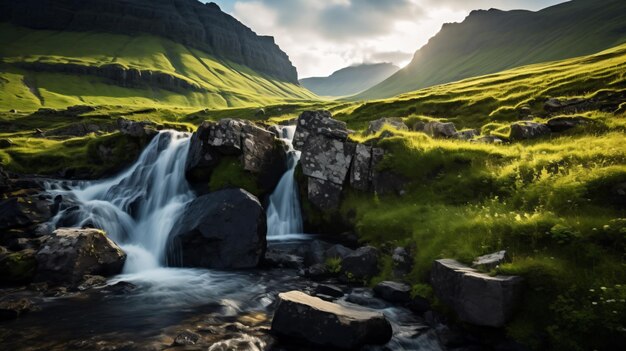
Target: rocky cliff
[189, 22]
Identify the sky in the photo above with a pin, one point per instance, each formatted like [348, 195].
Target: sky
[322, 36]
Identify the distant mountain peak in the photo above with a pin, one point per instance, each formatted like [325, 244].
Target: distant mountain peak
[350, 80]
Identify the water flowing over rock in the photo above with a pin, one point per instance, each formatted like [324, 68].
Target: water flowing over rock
[477, 298]
[223, 229]
[138, 208]
[189, 22]
[71, 253]
[284, 215]
[327, 324]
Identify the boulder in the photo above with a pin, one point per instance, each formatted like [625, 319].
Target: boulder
[136, 129]
[5, 143]
[528, 130]
[402, 261]
[327, 159]
[223, 229]
[490, 261]
[466, 135]
[186, 338]
[378, 125]
[324, 195]
[17, 267]
[476, 298]
[316, 123]
[263, 155]
[360, 265]
[487, 139]
[11, 308]
[561, 124]
[555, 105]
[440, 129]
[361, 168]
[71, 253]
[19, 212]
[315, 253]
[394, 292]
[328, 324]
[338, 251]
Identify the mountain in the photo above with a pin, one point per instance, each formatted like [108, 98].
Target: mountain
[137, 52]
[350, 80]
[491, 41]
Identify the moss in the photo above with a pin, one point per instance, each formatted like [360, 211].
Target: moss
[229, 174]
[18, 267]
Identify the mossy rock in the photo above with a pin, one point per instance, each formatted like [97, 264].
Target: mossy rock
[18, 267]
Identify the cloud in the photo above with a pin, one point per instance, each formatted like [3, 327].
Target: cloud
[322, 36]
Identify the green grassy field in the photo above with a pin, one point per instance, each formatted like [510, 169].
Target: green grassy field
[224, 84]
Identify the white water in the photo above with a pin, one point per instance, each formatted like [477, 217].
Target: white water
[284, 217]
[139, 207]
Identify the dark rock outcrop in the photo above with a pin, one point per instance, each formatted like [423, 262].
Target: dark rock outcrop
[189, 22]
[528, 130]
[223, 229]
[360, 265]
[327, 324]
[393, 291]
[71, 253]
[561, 124]
[136, 129]
[477, 298]
[440, 129]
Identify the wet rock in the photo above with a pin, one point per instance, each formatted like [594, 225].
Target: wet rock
[361, 168]
[418, 305]
[402, 261]
[361, 265]
[119, 288]
[477, 298]
[315, 253]
[329, 290]
[136, 129]
[186, 338]
[317, 271]
[490, 261]
[327, 324]
[17, 267]
[440, 129]
[19, 212]
[276, 259]
[528, 130]
[5, 143]
[378, 125]
[487, 139]
[262, 154]
[92, 281]
[561, 124]
[11, 308]
[365, 297]
[393, 291]
[466, 135]
[325, 195]
[223, 229]
[71, 253]
[338, 251]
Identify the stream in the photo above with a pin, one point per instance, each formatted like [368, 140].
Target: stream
[149, 304]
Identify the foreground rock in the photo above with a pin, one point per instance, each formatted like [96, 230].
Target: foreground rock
[327, 324]
[361, 265]
[393, 291]
[477, 298]
[224, 229]
[70, 253]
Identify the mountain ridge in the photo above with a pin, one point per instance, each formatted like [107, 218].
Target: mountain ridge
[350, 80]
[488, 41]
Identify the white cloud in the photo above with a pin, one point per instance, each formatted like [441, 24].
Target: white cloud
[323, 36]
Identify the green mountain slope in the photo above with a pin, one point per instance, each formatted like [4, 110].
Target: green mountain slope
[492, 41]
[41, 68]
[350, 80]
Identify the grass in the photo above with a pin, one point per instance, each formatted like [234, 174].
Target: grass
[224, 84]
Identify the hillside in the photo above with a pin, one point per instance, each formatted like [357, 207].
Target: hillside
[350, 80]
[492, 41]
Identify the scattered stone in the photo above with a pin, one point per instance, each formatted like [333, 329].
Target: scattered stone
[317, 271]
[223, 229]
[11, 308]
[13, 111]
[418, 305]
[487, 139]
[379, 124]
[365, 297]
[361, 265]
[490, 261]
[440, 130]
[561, 124]
[276, 259]
[136, 129]
[418, 126]
[17, 267]
[92, 281]
[6, 143]
[327, 324]
[466, 135]
[394, 292]
[186, 338]
[528, 130]
[119, 288]
[71, 253]
[402, 261]
[524, 111]
[477, 298]
[338, 251]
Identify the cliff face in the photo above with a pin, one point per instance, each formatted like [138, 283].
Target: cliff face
[189, 22]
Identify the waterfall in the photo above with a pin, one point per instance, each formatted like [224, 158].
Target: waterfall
[138, 208]
[283, 213]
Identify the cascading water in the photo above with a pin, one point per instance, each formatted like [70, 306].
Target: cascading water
[283, 212]
[139, 207]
